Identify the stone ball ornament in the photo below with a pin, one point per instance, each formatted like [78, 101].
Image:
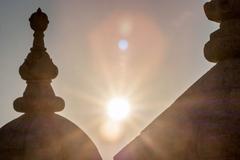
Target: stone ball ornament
[39, 21]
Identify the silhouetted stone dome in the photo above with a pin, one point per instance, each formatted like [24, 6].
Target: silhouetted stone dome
[40, 134]
[45, 137]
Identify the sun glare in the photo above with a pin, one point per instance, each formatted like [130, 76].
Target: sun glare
[111, 132]
[118, 108]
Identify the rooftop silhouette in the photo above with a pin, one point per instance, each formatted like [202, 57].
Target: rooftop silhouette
[203, 123]
[40, 133]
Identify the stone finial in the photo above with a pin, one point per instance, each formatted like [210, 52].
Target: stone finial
[39, 21]
[38, 70]
[225, 42]
[38, 64]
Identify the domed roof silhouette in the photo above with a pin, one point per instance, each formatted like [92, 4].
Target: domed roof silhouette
[41, 134]
[45, 137]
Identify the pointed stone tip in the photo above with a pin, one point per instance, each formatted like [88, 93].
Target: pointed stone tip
[39, 10]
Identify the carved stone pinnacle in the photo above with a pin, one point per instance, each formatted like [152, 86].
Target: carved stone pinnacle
[38, 70]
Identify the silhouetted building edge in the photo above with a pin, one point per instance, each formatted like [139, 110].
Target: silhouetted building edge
[41, 134]
[204, 122]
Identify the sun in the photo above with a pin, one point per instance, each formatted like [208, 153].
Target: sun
[118, 108]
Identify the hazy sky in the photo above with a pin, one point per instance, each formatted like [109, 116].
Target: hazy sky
[164, 57]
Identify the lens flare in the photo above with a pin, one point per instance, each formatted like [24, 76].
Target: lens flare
[118, 108]
[123, 44]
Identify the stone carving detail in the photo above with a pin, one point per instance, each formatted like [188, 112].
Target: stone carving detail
[38, 70]
[224, 43]
[220, 10]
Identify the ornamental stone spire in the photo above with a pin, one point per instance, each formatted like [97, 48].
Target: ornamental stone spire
[38, 70]
[39, 133]
[224, 43]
